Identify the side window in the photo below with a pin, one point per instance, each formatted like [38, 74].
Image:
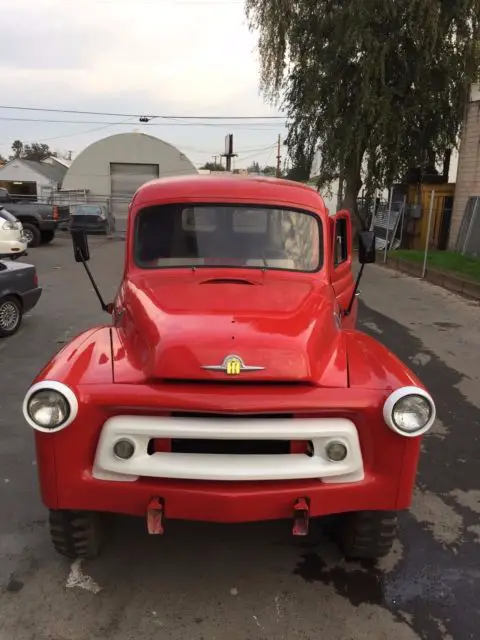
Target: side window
[341, 241]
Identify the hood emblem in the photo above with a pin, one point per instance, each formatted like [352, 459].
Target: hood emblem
[233, 366]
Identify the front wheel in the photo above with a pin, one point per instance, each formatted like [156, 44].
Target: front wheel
[32, 234]
[366, 535]
[76, 534]
[11, 313]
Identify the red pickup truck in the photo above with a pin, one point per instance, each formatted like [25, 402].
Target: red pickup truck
[231, 384]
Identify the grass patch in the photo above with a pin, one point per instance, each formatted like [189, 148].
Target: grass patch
[445, 261]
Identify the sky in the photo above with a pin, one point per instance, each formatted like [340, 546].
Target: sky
[157, 57]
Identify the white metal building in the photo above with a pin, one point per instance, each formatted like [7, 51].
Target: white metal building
[113, 168]
[33, 179]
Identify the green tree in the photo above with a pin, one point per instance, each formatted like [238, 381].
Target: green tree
[35, 151]
[269, 170]
[376, 87]
[254, 167]
[17, 148]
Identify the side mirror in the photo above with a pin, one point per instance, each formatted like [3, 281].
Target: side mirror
[366, 247]
[80, 245]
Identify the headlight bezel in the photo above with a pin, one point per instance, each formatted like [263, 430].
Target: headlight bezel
[400, 394]
[58, 387]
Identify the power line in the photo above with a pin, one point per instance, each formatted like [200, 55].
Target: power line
[171, 2]
[253, 155]
[139, 115]
[219, 3]
[211, 152]
[230, 125]
[79, 133]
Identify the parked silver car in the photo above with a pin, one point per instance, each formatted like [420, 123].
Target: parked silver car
[12, 241]
[19, 293]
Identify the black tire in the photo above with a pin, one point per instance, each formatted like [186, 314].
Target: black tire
[11, 313]
[76, 534]
[46, 236]
[366, 535]
[33, 233]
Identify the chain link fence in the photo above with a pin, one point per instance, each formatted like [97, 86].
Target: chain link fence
[117, 206]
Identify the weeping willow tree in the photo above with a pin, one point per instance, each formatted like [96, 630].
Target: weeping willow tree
[377, 86]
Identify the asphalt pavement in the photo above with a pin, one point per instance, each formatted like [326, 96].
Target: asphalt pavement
[250, 582]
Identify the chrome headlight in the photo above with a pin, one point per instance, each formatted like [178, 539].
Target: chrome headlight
[409, 411]
[50, 406]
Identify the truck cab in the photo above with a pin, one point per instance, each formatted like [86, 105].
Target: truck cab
[231, 383]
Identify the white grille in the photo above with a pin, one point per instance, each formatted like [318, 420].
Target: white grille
[192, 466]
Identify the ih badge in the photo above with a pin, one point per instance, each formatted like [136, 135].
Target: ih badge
[233, 366]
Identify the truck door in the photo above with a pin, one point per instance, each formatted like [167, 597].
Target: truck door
[342, 275]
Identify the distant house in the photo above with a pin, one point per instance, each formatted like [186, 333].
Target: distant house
[32, 179]
[468, 173]
[58, 161]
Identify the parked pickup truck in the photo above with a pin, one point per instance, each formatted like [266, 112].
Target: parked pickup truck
[40, 221]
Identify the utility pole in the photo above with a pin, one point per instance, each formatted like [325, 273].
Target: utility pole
[229, 154]
[215, 160]
[279, 157]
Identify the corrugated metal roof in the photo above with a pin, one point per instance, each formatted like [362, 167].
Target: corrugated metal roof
[55, 172]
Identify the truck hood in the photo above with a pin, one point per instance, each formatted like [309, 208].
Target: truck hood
[284, 327]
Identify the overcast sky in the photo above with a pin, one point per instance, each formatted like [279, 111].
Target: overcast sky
[162, 57]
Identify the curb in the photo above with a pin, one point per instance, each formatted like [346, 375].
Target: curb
[467, 288]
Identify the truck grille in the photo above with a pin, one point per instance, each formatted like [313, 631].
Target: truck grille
[227, 447]
[230, 416]
[230, 447]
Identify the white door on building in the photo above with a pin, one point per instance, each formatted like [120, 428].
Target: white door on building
[125, 179]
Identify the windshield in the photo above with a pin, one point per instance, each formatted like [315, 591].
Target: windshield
[180, 235]
[82, 209]
[6, 215]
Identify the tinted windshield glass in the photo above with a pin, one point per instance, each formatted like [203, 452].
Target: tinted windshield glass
[87, 210]
[230, 236]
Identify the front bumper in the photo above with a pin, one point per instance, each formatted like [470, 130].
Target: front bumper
[12, 248]
[225, 502]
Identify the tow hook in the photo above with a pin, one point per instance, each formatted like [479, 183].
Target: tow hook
[155, 514]
[301, 517]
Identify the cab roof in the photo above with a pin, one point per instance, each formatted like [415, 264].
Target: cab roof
[228, 188]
